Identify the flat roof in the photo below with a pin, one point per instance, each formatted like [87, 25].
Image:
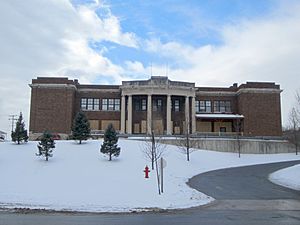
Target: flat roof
[220, 116]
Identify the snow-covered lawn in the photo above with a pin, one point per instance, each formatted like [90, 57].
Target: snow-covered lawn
[79, 178]
[288, 177]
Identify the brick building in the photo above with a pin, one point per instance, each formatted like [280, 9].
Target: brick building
[159, 104]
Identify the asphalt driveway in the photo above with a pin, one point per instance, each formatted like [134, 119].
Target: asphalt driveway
[249, 182]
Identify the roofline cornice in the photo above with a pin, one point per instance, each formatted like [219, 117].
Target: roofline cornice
[63, 86]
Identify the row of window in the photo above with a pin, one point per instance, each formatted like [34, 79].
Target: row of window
[107, 104]
[219, 106]
[111, 104]
[141, 105]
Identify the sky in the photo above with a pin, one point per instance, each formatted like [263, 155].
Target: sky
[209, 42]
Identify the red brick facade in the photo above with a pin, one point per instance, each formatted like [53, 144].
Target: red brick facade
[55, 101]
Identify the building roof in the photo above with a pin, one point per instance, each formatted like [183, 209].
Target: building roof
[220, 116]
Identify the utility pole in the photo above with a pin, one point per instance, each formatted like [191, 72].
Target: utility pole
[13, 119]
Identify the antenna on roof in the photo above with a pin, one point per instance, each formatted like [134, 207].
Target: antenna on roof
[167, 68]
[151, 68]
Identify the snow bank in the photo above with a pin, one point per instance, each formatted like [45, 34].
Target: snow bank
[79, 178]
[288, 177]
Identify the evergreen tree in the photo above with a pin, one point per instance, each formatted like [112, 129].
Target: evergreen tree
[20, 133]
[110, 143]
[46, 145]
[81, 127]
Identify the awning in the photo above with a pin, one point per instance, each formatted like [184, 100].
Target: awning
[219, 116]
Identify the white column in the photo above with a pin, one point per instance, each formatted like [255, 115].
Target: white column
[149, 114]
[129, 115]
[169, 124]
[193, 116]
[123, 114]
[187, 115]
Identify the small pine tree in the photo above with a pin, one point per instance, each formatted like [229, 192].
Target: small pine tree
[110, 143]
[46, 145]
[20, 133]
[81, 127]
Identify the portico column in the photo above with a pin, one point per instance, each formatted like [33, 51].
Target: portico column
[149, 114]
[129, 115]
[169, 123]
[193, 116]
[123, 114]
[187, 115]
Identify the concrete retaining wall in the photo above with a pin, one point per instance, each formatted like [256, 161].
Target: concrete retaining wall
[246, 145]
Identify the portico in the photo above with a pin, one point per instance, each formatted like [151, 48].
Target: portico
[162, 99]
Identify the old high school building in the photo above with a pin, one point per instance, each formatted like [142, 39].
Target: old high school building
[158, 104]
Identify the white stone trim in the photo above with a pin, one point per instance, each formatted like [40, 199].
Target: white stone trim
[149, 114]
[215, 93]
[159, 91]
[98, 90]
[219, 116]
[259, 90]
[123, 105]
[129, 115]
[63, 86]
[169, 115]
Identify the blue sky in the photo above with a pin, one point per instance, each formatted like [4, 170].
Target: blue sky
[192, 22]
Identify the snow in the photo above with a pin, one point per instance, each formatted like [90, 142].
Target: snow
[288, 177]
[79, 178]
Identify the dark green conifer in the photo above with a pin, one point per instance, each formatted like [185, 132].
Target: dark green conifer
[46, 145]
[81, 127]
[110, 143]
[20, 133]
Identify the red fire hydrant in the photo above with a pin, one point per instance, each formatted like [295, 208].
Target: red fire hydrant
[147, 171]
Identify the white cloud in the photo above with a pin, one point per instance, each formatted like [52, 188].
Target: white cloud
[135, 67]
[39, 38]
[266, 49]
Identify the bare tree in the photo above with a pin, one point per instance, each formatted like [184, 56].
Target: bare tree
[186, 144]
[153, 150]
[238, 143]
[297, 95]
[293, 133]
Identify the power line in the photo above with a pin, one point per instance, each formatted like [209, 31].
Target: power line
[12, 118]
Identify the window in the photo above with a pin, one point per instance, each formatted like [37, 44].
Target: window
[104, 104]
[176, 105]
[203, 106]
[157, 106]
[140, 104]
[222, 106]
[96, 104]
[223, 129]
[137, 105]
[144, 105]
[83, 104]
[117, 104]
[110, 104]
[89, 104]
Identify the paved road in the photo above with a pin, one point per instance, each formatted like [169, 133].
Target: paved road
[249, 182]
[244, 196]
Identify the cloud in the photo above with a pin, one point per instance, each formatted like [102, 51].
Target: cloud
[56, 38]
[52, 38]
[265, 49]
